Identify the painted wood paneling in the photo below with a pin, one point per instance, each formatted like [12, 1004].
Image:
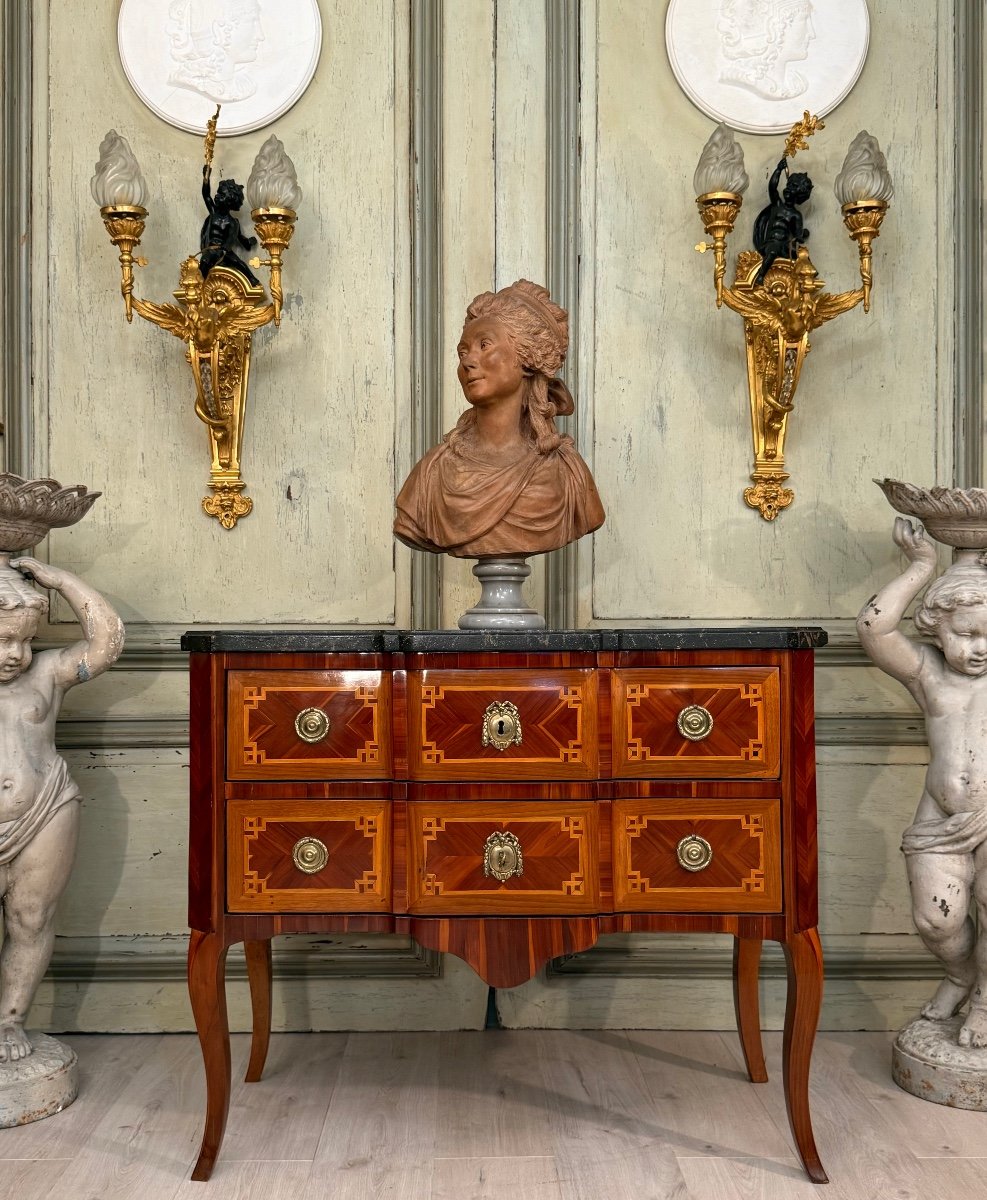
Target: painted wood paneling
[672, 432]
[327, 389]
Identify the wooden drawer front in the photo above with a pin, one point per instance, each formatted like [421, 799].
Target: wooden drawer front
[744, 740]
[558, 846]
[264, 743]
[744, 872]
[557, 711]
[262, 837]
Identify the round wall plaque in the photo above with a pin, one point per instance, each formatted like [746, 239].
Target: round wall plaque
[183, 57]
[759, 65]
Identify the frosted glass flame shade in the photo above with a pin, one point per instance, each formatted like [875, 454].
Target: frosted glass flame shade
[721, 165]
[273, 182]
[865, 174]
[118, 179]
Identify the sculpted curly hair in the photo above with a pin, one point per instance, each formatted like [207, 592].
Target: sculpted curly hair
[17, 593]
[960, 586]
[538, 329]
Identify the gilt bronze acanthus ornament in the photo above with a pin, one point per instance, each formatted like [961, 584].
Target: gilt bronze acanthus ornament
[220, 301]
[777, 290]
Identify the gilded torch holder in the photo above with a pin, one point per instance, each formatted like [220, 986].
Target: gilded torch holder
[125, 225]
[719, 214]
[274, 227]
[863, 221]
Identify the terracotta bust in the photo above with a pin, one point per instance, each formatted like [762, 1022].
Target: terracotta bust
[504, 481]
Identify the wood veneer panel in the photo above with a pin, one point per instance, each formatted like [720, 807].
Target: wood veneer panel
[262, 873]
[263, 742]
[504, 952]
[802, 776]
[744, 874]
[744, 741]
[207, 852]
[559, 847]
[559, 724]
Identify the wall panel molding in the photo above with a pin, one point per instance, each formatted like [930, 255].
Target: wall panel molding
[562, 222]
[427, 294]
[161, 958]
[965, 215]
[15, 229]
[654, 961]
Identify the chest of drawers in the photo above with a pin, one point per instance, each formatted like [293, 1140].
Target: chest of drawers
[507, 798]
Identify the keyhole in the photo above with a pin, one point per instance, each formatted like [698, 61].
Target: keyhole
[500, 727]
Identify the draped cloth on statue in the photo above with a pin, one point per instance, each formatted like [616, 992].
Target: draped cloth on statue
[471, 507]
[58, 791]
[959, 833]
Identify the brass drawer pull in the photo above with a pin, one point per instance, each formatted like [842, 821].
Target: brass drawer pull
[695, 722]
[502, 856]
[694, 853]
[312, 725]
[310, 855]
[501, 725]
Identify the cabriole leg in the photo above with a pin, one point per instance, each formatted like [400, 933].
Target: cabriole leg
[259, 974]
[803, 957]
[207, 990]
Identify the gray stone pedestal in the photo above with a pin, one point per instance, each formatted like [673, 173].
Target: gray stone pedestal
[502, 604]
[927, 1062]
[40, 1085]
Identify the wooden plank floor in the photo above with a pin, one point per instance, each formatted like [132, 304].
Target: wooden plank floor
[529, 1114]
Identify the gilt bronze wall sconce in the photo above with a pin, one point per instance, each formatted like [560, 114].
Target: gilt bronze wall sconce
[220, 301]
[777, 289]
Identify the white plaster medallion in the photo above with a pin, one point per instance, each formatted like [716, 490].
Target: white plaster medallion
[759, 64]
[254, 57]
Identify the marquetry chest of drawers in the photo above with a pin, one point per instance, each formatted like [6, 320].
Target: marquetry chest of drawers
[507, 798]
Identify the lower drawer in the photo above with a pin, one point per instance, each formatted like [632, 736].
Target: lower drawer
[531, 857]
[697, 855]
[308, 856]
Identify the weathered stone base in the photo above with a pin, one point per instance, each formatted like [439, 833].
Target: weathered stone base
[40, 1085]
[927, 1062]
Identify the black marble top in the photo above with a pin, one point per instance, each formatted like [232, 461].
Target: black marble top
[455, 641]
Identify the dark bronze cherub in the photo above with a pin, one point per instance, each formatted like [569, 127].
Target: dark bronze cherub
[221, 234]
[779, 229]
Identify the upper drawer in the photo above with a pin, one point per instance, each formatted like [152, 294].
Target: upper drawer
[709, 722]
[309, 725]
[502, 724]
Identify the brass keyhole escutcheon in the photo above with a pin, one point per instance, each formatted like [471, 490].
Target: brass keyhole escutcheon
[312, 725]
[502, 856]
[501, 725]
[695, 722]
[310, 855]
[694, 853]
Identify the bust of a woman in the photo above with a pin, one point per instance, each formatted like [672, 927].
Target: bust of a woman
[504, 481]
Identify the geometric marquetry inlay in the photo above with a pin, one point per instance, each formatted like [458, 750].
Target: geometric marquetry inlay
[557, 712]
[740, 730]
[352, 873]
[558, 844]
[743, 872]
[272, 711]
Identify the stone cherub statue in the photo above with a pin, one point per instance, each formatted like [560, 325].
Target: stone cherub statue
[504, 481]
[39, 811]
[946, 846]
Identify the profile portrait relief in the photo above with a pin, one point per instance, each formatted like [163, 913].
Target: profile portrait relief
[504, 481]
[255, 58]
[211, 43]
[760, 40]
[758, 65]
